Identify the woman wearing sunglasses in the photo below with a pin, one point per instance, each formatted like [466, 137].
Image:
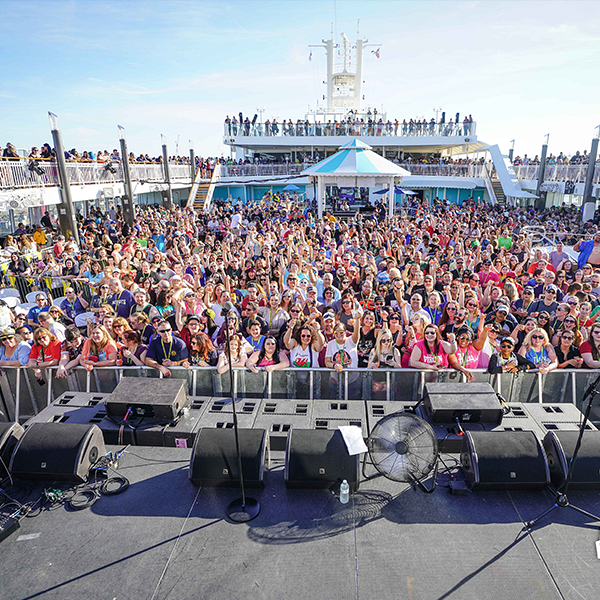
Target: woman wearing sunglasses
[432, 352]
[590, 350]
[571, 326]
[567, 352]
[537, 349]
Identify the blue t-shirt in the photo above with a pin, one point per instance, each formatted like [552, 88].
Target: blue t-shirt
[256, 345]
[122, 302]
[35, 311]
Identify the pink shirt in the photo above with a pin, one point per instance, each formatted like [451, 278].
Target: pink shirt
[430, 359]
[468, 358]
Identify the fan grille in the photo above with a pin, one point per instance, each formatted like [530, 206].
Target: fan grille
[403, 447]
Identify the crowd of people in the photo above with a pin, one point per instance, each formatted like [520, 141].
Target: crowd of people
[442, 286]
[10, 152]
[368, 124]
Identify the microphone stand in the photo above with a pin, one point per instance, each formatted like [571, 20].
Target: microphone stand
[243, 509]
[562, 501]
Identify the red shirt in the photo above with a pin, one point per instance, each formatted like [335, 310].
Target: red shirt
[51, 352]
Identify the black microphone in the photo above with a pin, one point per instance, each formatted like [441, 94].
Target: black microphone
[227, 308]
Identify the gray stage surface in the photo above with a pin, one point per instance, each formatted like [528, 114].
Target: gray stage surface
[163, 538]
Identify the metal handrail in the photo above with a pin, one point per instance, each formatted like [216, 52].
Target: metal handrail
[16, 174]
[342, 129]
[343, 382]
[471, 170]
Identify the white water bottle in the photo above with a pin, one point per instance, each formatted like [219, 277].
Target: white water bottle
[344, 492]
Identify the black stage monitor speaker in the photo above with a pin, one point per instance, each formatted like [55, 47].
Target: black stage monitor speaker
[148, 397]
[467, 402]
[560, 445]
[214, 461]
[10, 434]
[504, 460]
[319, 459]
[57, 452]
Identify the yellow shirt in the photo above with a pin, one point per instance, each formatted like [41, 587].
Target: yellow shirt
[39, 237]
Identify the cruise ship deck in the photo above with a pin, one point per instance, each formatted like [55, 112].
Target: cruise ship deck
[164, 538]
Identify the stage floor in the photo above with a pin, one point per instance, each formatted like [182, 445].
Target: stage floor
[164, 539]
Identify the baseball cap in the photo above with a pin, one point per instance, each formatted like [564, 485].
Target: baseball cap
[502, 308]
[328, 315]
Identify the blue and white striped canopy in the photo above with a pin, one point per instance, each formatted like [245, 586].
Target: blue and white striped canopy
[356, 159]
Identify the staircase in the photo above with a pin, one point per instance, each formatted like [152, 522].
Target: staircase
[498, 191]
[202, 191]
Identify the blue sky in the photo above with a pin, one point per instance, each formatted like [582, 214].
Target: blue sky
[521, 69]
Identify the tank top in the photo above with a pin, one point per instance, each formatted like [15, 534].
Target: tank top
[538, 358]
[302, 358]
[468, 357]
[440, 359]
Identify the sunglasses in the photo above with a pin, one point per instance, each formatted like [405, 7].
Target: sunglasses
[506, 345]
[537, 337]
[160, 330]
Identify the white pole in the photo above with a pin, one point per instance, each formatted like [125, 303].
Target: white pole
[320, 199]
[391, 195]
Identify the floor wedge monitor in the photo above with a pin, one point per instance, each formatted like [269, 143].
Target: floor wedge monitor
[560, 446]
[504, 460]
[10, 434]
[319, 459]
[467, 402]
[57, 452]
[214, 461]
[148, 398]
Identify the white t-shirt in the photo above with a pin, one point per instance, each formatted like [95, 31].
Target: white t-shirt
[303, 358]
[343, 353]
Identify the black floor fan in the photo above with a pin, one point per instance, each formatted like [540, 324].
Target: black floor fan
[402, 447]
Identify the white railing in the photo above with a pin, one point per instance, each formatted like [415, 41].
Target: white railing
[574, 173]
[17, 174]
[388, 129]
[261, 170]
[296, 169]
[445, 170]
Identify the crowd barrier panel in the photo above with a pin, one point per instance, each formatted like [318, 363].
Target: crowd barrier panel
[56, 286]
[22, 396]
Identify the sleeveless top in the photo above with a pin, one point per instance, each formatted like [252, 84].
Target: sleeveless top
[430, 359]
[468, 357]
[538, 358]
[302, 359]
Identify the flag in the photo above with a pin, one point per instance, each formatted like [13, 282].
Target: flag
[375, 52]
[310, 56]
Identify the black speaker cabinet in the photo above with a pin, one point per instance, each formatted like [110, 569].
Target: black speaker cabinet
[214, 460]
[319, 459]
[57, 452]
[10, 434]
[148, 397]
[560, 445]
[467, 402]
[504, 460]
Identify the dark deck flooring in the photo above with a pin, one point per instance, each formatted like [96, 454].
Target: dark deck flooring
[164, 539]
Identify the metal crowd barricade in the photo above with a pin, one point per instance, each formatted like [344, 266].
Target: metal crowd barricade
[55, 286]
[22, 397]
